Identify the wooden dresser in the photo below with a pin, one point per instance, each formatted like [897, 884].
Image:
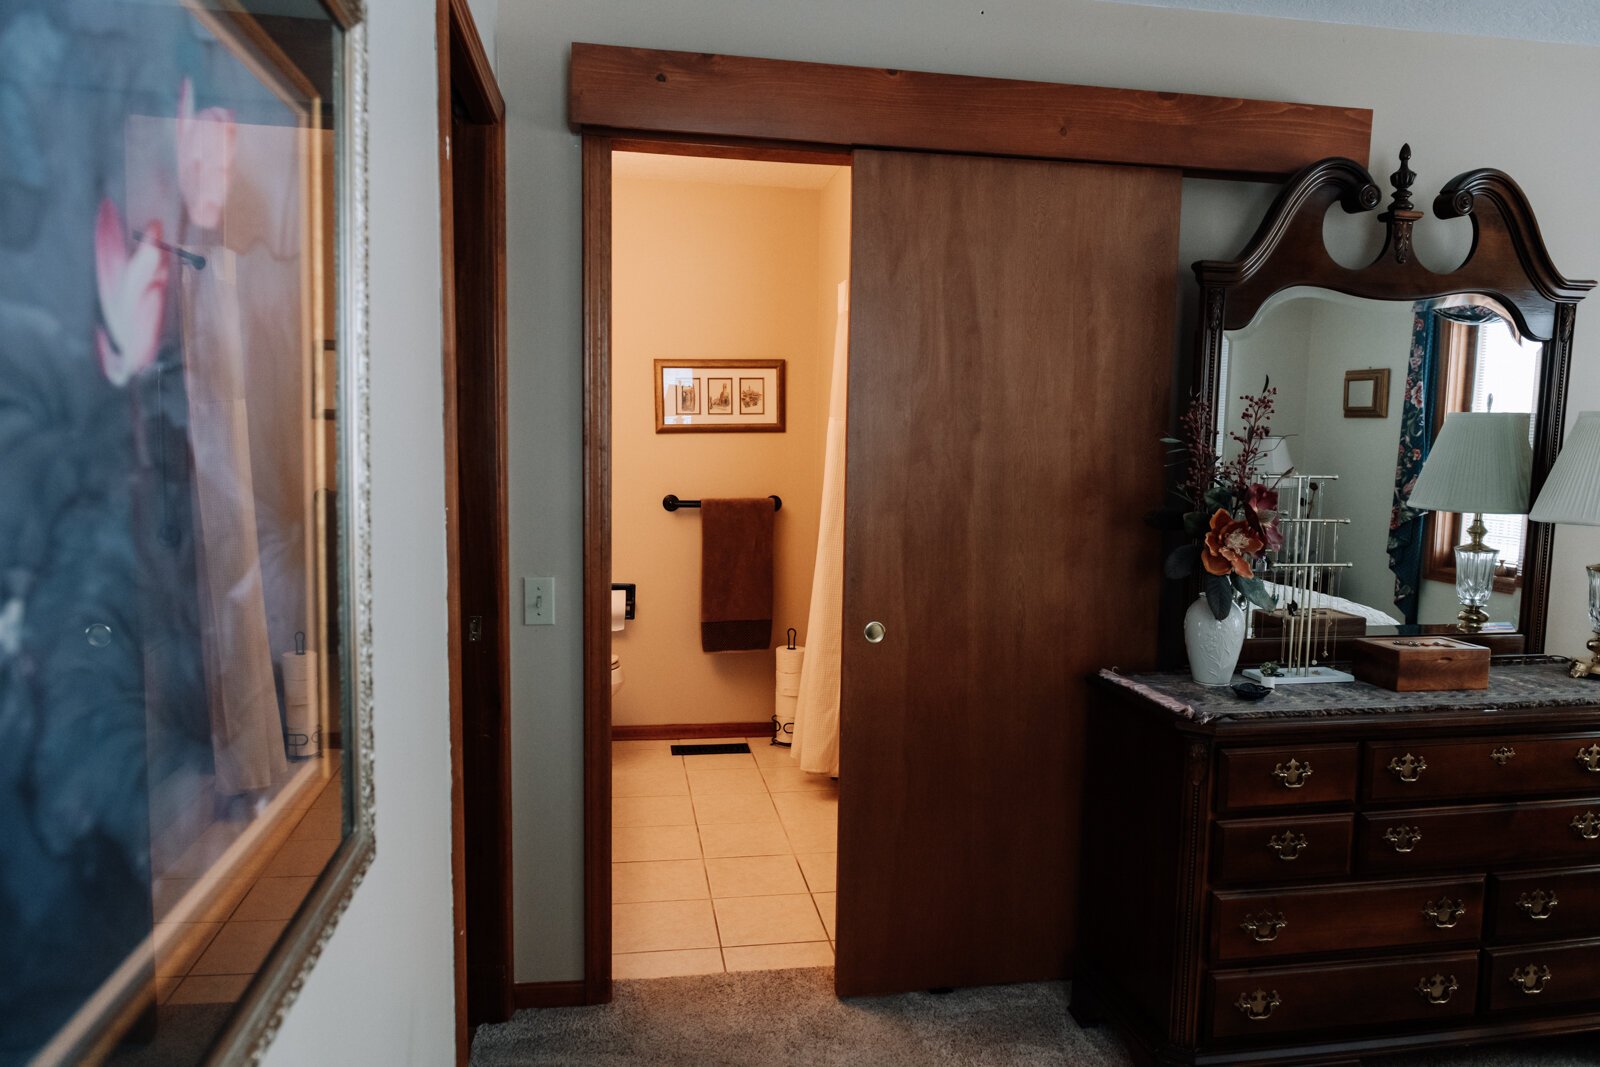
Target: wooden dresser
[1339, 871]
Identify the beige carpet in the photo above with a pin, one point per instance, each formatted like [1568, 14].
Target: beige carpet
[756, 1018]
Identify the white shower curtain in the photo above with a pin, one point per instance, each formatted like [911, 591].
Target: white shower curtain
[246, 730]
[816, 719]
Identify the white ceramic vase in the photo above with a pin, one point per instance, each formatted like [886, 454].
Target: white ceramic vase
[1214, 645]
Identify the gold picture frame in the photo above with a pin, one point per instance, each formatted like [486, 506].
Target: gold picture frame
[1366, 393]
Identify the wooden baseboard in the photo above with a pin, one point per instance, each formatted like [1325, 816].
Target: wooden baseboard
[548, 995]
[674, 731]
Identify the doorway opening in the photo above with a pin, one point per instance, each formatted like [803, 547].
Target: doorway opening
[472, 215]
[726, 370]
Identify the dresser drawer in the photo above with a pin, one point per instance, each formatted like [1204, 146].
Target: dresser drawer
[1278, 850]
[1533, 977]
[1546, 905]
[1345, 918]
[1551, 831]
[1302, 774]
[1487, 767]
[1261, 1001]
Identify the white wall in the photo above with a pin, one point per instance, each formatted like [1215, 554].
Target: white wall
[383, 991]
[1423, 88]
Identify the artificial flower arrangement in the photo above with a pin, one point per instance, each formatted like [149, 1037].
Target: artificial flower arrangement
[1230, 516]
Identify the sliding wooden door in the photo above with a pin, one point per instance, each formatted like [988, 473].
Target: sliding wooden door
[1011, 357]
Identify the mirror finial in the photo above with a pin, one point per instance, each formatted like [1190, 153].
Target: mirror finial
[1402, 180]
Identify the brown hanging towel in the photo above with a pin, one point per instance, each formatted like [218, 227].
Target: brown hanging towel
[736, 574]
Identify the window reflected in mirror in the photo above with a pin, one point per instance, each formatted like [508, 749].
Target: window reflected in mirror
[171, 671]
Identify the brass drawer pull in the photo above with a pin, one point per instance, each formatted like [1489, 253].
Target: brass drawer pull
[1408, 768]
[1289, 846]
[1264, 927]
[1532, 979]
[1438, 989]
[1503, 754]
[1258, 1005]
[1293, 774]
[1587, 825]
[1538, 904]
[1403, 838]
[1445, 913]
[1590, 758]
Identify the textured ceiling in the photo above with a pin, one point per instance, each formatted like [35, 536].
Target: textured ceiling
[1568, 21]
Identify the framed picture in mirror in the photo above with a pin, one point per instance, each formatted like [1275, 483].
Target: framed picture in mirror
[184, 566]
[1366, 393]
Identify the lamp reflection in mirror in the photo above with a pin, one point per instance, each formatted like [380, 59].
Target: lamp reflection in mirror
[1572, 495]
[1481, 463]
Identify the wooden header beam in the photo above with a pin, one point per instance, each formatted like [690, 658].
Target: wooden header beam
[704, 95]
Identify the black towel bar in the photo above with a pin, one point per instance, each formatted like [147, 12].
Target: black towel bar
[672, 503]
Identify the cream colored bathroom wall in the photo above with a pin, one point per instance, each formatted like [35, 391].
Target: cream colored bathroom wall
[710, 270]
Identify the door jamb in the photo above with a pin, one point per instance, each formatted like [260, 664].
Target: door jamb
[464, 72]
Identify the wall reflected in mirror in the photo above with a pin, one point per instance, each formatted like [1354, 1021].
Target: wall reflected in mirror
[171, 682]
[1362, 388]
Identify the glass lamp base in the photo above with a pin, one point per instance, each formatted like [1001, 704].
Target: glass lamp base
[1580, 669]
[1474, 583]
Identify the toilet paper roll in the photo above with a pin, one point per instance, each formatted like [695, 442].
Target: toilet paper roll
[790, 659]
[302, 716]
[619, 609]
[783, 719]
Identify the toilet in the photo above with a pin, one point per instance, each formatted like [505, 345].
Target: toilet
[616, 674]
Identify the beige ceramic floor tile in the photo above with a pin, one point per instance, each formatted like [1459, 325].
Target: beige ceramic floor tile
[165, 988]
[707, 780]
[791, 779]
[320, 822]
[744, 839]
[273, 898]
[778, 957]
[811, 804]
[655, 779]
[722, 808]
[768, 920]
[666, 964]
[821, 870]
[768, 754]
[238, 948]
[754, 876]
[635, 844]
[812, 836]
[179, 954]
[301, 857]
[662, 926]
[825, 908]
[210, 989]
[652, 811]
[633, 883]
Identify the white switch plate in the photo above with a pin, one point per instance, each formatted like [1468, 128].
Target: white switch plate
[538, 601]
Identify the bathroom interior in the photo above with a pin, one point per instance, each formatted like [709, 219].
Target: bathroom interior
[724, 859]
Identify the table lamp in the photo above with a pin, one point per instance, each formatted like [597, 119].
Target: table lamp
[1572, 495]
[1481, 463]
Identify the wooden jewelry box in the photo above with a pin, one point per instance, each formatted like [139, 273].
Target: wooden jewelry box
[1419, 664]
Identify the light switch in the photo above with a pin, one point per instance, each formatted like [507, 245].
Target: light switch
[538, 601]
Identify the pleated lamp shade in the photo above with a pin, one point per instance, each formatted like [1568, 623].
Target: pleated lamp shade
[1482, 462]
[1572, 492]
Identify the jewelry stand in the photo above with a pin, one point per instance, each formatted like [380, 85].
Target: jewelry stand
[1310, 549]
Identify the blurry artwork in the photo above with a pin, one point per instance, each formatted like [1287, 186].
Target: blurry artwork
[160, 269]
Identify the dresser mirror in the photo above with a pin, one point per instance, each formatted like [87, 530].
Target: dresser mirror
[1365, 363]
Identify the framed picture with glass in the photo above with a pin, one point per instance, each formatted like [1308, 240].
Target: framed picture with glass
[720, 395]
[185, 797]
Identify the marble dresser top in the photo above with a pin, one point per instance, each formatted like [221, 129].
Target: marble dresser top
[1514, 682]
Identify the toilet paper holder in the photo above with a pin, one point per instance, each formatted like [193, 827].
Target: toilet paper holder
[628, 588]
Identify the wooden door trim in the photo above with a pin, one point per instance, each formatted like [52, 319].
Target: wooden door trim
[706, 95]
[464, 72]
[597, 569]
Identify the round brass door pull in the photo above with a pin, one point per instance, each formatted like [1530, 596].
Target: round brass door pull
[874, 632]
